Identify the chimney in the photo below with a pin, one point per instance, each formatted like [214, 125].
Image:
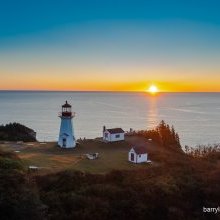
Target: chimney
[104, 128]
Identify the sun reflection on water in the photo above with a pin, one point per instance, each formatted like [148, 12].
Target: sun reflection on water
[152, 112]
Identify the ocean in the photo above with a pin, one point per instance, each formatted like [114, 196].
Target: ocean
[195, 116]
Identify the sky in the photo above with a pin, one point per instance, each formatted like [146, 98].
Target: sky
[114, 45]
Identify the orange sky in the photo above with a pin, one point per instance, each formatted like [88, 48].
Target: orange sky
[104, 85]
[106, 80]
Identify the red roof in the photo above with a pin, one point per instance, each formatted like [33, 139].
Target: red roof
[66, 105]
[140, 150]
[115, 130]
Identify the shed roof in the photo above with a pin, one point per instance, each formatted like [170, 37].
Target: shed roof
[140, 150]
[115, 130]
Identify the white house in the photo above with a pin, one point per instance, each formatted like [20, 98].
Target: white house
[114, 134]
[137, 154]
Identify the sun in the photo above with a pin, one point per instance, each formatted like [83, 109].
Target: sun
[153, 89]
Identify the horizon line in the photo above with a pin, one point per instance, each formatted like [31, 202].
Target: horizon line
[110, 91]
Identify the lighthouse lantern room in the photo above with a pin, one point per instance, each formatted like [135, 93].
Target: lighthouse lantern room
[66, 136]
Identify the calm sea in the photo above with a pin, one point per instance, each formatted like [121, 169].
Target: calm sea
[196, 116]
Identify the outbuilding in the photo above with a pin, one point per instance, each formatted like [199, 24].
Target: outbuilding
[138, 154]
[113, 134]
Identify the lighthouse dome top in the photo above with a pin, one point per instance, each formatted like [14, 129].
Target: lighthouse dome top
[66, 111]
[66, 105]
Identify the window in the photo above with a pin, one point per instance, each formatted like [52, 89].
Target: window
[64, 142]
[117, 136]
[139, 155]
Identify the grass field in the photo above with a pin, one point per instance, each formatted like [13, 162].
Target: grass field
[49, 157]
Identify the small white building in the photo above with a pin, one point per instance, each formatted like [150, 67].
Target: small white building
[138, 154]
[114, 134]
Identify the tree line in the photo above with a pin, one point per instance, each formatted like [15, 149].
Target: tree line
[16, 132]
[163, 134]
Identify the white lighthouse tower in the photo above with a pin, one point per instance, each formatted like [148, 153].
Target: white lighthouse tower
[66, 136]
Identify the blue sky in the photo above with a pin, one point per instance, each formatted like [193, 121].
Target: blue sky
[139, 42]
[23, 17]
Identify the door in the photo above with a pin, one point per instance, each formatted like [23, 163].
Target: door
[132, 157]
[106, 135]
[64, 142]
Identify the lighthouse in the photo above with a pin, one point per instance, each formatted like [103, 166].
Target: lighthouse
[66, 136]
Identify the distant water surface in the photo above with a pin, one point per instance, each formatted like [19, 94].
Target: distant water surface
[196, 116]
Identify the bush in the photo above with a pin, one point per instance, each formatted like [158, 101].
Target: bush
[8, 163]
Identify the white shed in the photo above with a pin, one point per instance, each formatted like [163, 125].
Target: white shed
[114, 134]
[138, 154]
